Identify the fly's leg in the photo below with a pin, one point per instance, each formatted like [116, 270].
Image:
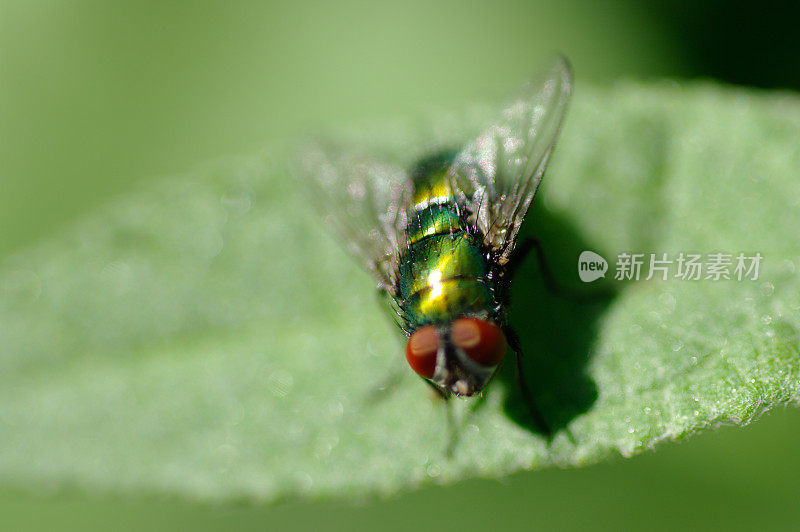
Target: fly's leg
[522, 383]
[552, 285]
[452, 426]
[396, 373]
[382, 388]
[439, 392]
[387, 301]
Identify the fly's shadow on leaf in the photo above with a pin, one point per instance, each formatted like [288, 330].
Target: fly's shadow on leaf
[556, 326]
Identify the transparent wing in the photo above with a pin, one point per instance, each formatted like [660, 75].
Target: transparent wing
[498, 173]
[360, 199]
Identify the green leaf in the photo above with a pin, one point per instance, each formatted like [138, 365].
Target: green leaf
[204, 336]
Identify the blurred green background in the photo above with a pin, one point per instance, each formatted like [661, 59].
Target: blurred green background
[95, 96]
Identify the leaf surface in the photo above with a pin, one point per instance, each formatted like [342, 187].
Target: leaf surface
[204, 336]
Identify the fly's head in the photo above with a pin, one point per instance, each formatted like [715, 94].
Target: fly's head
[459, 358]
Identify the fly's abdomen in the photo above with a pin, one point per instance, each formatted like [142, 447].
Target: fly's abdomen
[443, 274]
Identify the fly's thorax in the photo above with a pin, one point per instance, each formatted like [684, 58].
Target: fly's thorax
[445, 301]
[444, 272]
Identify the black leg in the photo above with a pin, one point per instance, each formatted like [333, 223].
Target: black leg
[396, 373]
[452, 426]
[552, 285]
[443, 394]
[520, 254]
[383, 389]
[536, 414]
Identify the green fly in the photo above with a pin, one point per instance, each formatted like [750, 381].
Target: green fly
[440, 236]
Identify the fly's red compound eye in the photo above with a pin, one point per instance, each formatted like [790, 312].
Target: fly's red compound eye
[482, 341]
[421, 350]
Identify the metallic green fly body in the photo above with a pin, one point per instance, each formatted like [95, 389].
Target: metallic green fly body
[439, 236]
